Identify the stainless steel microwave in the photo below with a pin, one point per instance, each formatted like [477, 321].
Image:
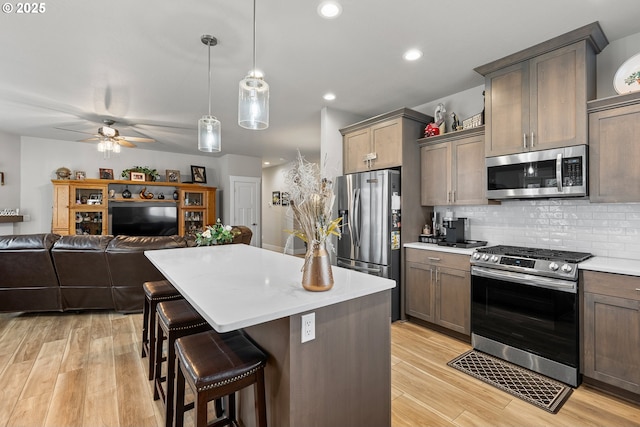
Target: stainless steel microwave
[560, 172]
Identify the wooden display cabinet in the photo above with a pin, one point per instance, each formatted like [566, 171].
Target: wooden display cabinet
[197, 209]
[82, 206]
[79, 207]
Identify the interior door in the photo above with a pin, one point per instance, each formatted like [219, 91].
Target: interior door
[245, 205]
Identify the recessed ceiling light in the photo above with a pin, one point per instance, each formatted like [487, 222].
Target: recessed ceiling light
[412, 55]
[267, 163]
[329, 9]
[329, 96]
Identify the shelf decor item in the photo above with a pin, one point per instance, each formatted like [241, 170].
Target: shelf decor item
[311, 201]
[148, 173]
[627, 78]
[172, 175]
[198, 174]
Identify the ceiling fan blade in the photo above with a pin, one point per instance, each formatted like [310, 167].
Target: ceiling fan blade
[136, 139]
[96, 138]
[125, 143]
[73, 130]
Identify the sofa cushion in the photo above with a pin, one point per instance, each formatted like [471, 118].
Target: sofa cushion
[28, 280]
[129, 267]
[81, 263]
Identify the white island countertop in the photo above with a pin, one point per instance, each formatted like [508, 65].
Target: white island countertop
[237, 286]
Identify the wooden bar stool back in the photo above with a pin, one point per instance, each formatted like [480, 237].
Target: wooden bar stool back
[154, 292]
[175, 319]
[218, 365]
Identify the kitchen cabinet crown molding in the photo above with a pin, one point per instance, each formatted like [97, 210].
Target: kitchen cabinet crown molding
[591, 33]
[451, 136]
[401, 112]
[611, 102]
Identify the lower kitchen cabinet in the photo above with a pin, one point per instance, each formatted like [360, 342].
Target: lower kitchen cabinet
[611, 329]
[438, 288]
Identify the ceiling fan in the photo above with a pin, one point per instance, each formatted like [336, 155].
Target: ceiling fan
[110, 135]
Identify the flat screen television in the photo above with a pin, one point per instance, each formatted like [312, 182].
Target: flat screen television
[143, 220]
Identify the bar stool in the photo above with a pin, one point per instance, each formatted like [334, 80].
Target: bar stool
[217, 365]
[155, 292]
[175, 319]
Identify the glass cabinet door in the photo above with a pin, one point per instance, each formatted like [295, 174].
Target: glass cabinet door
[193, 221]
[89, 195]
[89, 222]
[193, 199]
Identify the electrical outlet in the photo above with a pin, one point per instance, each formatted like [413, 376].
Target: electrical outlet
[308, 327]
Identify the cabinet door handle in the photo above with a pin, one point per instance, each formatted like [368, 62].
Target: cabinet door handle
[436, 275]
[532, 139]
[524, 141]
[453, 196]
[449, 197]
[638, 289]
[431, 258]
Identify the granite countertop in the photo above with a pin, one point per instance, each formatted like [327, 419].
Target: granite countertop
[237, 286]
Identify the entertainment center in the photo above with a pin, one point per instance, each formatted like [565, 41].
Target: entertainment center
[138, 208]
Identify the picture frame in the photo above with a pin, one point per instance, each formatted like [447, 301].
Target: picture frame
[80, 175]
[106, 173]
[284, 198]
[198, 174]
[172, 175]
[275, 198]
[137, 176]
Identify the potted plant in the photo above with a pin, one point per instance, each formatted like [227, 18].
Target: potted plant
[150, 174]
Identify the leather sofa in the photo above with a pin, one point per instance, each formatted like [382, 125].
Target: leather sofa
[48, 272]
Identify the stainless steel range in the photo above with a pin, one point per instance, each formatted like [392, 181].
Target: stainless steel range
[525, 308]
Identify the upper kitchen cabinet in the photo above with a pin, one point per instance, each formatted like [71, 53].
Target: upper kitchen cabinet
[537, 98]
[614, 132]
[453, 169]
[383, 141]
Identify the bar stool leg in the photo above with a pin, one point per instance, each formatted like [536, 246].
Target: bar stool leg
[260, 400]
[178, 401]
[145, 328]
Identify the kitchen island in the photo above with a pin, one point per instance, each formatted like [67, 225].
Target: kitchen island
[342, 377]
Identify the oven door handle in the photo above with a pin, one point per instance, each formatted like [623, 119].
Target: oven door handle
[526, 279]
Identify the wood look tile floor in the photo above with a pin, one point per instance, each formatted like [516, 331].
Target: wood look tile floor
[85, 370]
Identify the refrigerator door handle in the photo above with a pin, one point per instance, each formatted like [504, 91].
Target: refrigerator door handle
[356, 217]
[355, 267]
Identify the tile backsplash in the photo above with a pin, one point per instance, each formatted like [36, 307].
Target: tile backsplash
[604, 229]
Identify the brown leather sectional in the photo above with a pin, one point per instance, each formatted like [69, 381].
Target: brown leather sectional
[48, 272]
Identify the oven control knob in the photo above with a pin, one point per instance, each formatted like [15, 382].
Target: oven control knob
[494, 258]
[553, 266]
[485, 257]
[476, 255]
[566, 268]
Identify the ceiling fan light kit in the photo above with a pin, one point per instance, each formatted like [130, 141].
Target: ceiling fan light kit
[253, 98]
[209, 139]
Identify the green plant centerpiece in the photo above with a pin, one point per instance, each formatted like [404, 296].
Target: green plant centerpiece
[151, 173]
[216, 234]
[311, 202]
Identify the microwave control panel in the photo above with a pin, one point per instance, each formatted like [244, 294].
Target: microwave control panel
[572, 172]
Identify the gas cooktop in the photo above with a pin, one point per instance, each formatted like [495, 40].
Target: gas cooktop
[536, 253]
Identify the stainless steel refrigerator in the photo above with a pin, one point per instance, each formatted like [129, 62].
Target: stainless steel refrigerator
[369, 203]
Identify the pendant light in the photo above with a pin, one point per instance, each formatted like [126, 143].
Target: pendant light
[209, 139]
[253, 99]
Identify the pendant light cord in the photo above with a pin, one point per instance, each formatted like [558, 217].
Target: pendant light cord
[253, 72]
[209, 44]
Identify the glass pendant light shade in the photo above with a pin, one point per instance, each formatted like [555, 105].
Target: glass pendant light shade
[209, 138]
[253, 103]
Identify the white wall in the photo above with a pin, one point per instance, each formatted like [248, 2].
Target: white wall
[234, 165]
[276, 218]
[40, 158]
[10, 166]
